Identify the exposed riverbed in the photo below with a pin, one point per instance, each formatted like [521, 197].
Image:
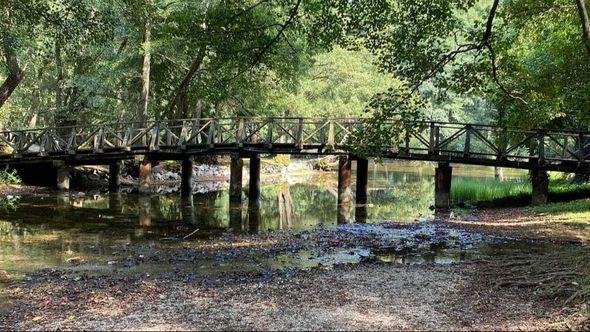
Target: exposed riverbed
[158, 262]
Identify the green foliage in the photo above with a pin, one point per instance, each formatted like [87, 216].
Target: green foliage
[390, 61]
[393, 114]
[578, 209]
[9, 177]
[485, 190]
[9, 202]
[339, 83]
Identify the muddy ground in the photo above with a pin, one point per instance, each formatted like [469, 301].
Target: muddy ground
[299, 281]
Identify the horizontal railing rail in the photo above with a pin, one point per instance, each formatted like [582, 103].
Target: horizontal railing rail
[459, 142]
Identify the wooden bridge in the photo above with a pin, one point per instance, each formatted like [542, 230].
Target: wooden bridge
[442, 142]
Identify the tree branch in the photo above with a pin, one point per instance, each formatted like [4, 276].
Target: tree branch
[585, 23]
[484, 43]
[276, 38]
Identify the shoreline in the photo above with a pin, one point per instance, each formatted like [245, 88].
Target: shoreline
[137, 292]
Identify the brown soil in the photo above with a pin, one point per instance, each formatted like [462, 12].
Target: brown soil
[356, 297]
[17, 189]
[520, 223]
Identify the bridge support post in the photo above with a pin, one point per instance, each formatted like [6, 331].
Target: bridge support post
[235, 180]
[254, 185]
[114, 181]
[115, 202]
[188, 210]
[442, 186]
[254, 195]
[145, 175]
[186, 177]
[63, 176]
[235, 193]
[344, 189]
[540, 184]
[362, 189]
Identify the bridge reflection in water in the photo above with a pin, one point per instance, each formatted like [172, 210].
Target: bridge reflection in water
[55, 150]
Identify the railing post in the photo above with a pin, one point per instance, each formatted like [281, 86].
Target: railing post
[99, 141]
[330, 141]
[126, 138]
[467, 147]
[503, 144]
[43, 145]
[407, 140]
[240, 133]
[211, 135]
[269, 134]
[195, 129]
[183, 136]
[541, 160]
[431, 146]
[299, 135]
[155, 142]
[72, 142]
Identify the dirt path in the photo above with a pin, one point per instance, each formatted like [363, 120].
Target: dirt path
[354, 297]
[520, 223]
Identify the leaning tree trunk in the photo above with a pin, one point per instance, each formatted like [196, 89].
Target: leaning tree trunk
[15, 73]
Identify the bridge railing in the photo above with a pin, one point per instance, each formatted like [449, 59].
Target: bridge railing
[427, 138]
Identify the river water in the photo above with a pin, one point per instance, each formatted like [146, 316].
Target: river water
[55, 230]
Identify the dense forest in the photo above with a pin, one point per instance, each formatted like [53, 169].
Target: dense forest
[515, 62]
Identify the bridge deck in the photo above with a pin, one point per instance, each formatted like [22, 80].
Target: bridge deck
[565, 151]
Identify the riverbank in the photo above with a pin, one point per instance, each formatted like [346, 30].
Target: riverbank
[562, 222]
[359, 297]
[384, 276]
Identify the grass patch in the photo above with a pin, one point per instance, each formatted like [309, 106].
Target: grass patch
[484, 190]
[574, 210]
[513, 192]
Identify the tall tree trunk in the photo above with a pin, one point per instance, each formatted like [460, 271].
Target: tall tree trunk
[15, 73]
[142, 110]
[145, 168]
[582, 11]
[59, 73]
[36, 101]
[180, 92]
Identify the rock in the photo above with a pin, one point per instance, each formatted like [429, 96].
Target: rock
[75, 260]
[4, 276]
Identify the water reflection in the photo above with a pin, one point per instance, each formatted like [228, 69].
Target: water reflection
[46, 231]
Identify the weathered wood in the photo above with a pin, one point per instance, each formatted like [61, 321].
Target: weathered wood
[235, 180]
[362, 189]
[145, 175]
[442, 186]
[362, 181]
[344, 189]
[540, 184]
[63, 176]
[433, 141]
[467, 145]
[254, 184]
[114, 180]
[186, 177]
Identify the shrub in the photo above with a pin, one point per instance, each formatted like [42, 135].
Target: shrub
[9, 177]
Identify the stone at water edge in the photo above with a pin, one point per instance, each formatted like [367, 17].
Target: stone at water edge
[4, 276]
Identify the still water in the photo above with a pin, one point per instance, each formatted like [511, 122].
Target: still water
[47, 231]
